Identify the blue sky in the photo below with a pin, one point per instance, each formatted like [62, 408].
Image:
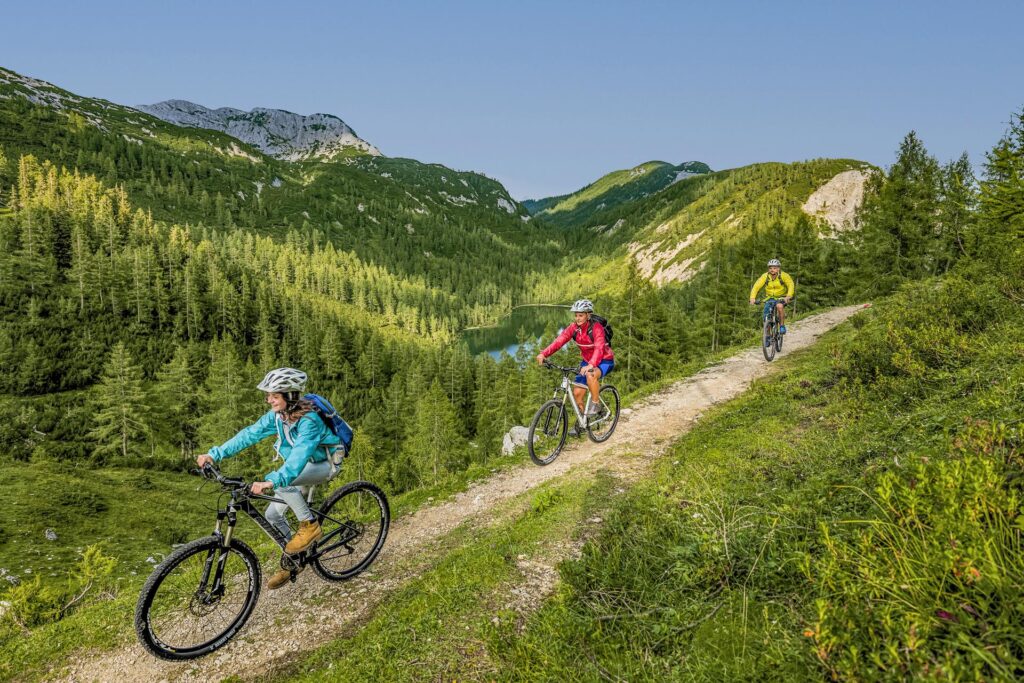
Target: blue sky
[547, 96]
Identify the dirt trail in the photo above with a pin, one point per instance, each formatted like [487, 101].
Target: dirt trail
[278, 630]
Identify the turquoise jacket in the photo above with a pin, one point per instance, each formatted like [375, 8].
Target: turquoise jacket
[308, 440]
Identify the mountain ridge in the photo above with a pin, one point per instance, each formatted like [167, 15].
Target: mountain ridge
[613, 190]
[275, 132]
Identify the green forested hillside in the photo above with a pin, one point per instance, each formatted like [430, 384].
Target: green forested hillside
[403, 216]
[705, 239]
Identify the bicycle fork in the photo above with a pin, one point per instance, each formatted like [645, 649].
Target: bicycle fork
[217, 590]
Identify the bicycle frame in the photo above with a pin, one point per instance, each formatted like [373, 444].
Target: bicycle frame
[565, 390]
[244, 504]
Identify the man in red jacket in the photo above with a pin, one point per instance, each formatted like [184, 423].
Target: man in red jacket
[598, 359]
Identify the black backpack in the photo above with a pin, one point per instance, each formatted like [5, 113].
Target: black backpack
[608, 332]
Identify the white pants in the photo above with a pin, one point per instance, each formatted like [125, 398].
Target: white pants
[295, 494]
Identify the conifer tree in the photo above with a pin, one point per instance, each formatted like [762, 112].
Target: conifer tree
[898, 234]
[178, 398]
[957, 210]
[223, 404]
[999, 235]
[121, 419]
[435, 443]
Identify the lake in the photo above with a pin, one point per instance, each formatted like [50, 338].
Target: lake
[532, 320]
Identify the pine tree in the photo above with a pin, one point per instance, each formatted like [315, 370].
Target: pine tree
[178, 396]
[957, 210]
[435, 444]
[227, 399]
[489, 422]
[999, 235]
[120, 414]
[899, 232]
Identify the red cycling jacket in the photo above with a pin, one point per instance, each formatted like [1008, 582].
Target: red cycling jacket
[593, 352]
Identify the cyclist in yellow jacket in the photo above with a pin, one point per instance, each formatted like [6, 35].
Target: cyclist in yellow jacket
[777, 285]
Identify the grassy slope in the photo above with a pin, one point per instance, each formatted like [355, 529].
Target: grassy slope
[161, 508]
[435, 628]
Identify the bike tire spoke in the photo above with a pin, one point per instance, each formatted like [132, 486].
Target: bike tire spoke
[181, 616]
[356, 536]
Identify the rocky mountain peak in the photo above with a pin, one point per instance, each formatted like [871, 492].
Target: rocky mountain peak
[276, 132]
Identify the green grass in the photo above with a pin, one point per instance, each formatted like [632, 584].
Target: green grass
[436, 626]
[769, 543]
[132, 513]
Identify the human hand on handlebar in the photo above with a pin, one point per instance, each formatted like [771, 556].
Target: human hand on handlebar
[204, 460]
[753, 303]
[540, 359]
[260, 487]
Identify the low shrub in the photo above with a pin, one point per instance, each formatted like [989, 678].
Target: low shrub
[931, 585]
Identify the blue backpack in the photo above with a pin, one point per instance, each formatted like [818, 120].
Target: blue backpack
[334, 422]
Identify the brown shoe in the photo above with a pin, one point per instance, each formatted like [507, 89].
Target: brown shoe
[281, 578]
[307, 533]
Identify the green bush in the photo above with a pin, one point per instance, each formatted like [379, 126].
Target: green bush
[33, 603]
[923, 333]
[932, 585]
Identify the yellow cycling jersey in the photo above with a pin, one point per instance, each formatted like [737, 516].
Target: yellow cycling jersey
[780, 286]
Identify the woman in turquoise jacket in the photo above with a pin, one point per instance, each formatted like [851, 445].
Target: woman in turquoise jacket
[304, 442]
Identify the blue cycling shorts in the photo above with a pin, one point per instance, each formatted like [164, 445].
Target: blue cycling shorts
[605, 365]
[769, 304]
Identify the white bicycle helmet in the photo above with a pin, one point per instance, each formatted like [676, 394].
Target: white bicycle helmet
[283, 380]
[775, 262]
[582, 306]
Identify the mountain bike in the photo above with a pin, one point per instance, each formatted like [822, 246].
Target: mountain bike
[771, 338]
[549, 426]
[202, 594]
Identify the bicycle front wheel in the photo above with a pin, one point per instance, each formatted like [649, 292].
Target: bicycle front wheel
[547, 432]
[185, 611]
[355, 521]
[768, 339]
[601, 428]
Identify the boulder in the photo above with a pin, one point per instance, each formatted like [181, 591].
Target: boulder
[515, 438]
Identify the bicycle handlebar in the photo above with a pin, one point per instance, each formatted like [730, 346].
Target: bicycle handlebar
[551, 366]
[213, 474]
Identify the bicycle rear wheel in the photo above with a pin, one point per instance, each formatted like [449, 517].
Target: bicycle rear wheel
[768, 339]
[355, 522]
[599, 430]
[547, 432]
[181, 614]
